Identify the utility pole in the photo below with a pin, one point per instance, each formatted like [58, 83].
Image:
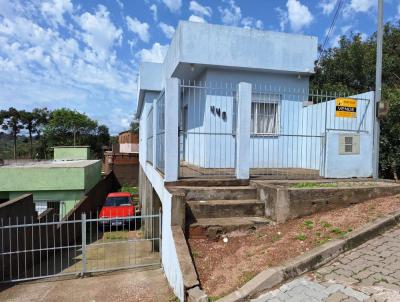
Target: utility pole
[378, 87]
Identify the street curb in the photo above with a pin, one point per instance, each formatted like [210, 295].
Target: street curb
[311, 260]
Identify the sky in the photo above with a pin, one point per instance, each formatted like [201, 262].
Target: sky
[85, 55]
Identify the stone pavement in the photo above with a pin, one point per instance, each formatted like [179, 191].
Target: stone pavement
[371, 272]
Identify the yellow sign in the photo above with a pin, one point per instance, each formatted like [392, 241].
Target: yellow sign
[346, 107]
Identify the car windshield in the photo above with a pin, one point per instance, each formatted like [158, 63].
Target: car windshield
[117, 201]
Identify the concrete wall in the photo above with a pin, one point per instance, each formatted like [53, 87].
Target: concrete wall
[71, 153]
[217, 45]
[284, 202]
[51, 176]
[151, 183]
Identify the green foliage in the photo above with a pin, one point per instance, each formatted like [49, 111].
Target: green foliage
[47, 129]
[308, 224]
[68, 127]
[129, 189]
[313, 185]
[350, 68]
[134, 126]
[301, 237]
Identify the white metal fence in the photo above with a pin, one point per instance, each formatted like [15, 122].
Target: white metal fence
[33, 250]
[160, 132]
[207, 133]
[289, 129]
[149, 142]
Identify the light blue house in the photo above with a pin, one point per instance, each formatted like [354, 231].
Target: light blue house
[235, 102]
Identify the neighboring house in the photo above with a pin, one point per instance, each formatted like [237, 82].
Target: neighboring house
[58, 184]
[235, 102]
[123, 159]
[128, 142]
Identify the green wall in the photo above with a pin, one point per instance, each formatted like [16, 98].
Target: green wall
[53, 177]
[71, 153]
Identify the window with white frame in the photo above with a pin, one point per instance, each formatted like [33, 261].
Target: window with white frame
[265, 110]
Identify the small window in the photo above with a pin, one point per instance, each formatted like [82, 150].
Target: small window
[265, 114]
[349, 144]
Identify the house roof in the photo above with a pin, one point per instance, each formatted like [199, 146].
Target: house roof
[198, 46]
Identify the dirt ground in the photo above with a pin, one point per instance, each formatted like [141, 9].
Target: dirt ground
[130, 286]
[225, 266]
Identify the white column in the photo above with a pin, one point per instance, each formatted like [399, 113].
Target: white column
[154, 132]
[143, 135]
[171, 129]
[243, 131]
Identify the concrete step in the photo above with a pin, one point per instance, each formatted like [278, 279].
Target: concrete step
[220, 193]
[224, 208]
[209, 182]
[213, 228]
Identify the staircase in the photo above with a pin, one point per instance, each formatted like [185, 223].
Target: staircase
[212, 211]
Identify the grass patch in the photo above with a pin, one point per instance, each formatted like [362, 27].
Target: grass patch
[301, 237]
[325, 224]
[118, 235]
[129, 189]
[309, 224]
[214, 298]
[247, 276]
[313, 185]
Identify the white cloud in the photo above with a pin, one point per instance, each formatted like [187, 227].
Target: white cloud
[250, 22]
[120, 4]
[194, 18]
[99, 32]
[232, 14]
[154, 11]
[199, 9]
[299, 15]
[327, 6]
[173, 5]
[55, 10]
[398, 12]
[168, 30]
[78, 68]
[139, 28]
[361, 6]
[283, 18]
[155, 54]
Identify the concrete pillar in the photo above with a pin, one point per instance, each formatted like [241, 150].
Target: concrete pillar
[154, 133]
[243, 131]
[171, 130]
[143, 136]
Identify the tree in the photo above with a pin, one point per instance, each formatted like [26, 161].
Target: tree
[134, 126]
[351, 67]
[12, 122]
[69, 127]
[33, 121]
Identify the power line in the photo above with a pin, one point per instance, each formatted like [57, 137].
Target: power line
[336, 15]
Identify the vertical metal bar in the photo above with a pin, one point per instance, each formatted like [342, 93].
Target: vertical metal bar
[25, 247]
[83, 229]
[10, 245]
[18, 252]
[2, 250]
[160, 233]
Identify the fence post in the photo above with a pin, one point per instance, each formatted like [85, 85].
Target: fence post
[155, 116]
[171, 149]
[243, 130]
[83, 229]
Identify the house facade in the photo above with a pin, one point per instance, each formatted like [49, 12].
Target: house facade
[236, 103]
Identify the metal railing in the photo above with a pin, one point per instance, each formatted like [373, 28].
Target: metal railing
[149, 142]
[289, 129]
[33, 250]
[207, 136]
[160, 132]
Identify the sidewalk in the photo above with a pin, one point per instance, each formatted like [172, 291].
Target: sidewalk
[131, 286]
[370, 272]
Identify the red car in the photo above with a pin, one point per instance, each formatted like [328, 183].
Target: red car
[117, 206]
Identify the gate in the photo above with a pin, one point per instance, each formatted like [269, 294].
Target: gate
[33, 250]
[207, 138]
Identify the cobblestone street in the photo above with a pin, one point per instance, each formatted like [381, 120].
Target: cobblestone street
[370, 272]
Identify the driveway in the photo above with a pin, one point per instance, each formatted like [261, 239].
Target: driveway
[133, 285]
[370, 272]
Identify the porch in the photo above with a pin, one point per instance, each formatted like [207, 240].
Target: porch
[242, 130]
